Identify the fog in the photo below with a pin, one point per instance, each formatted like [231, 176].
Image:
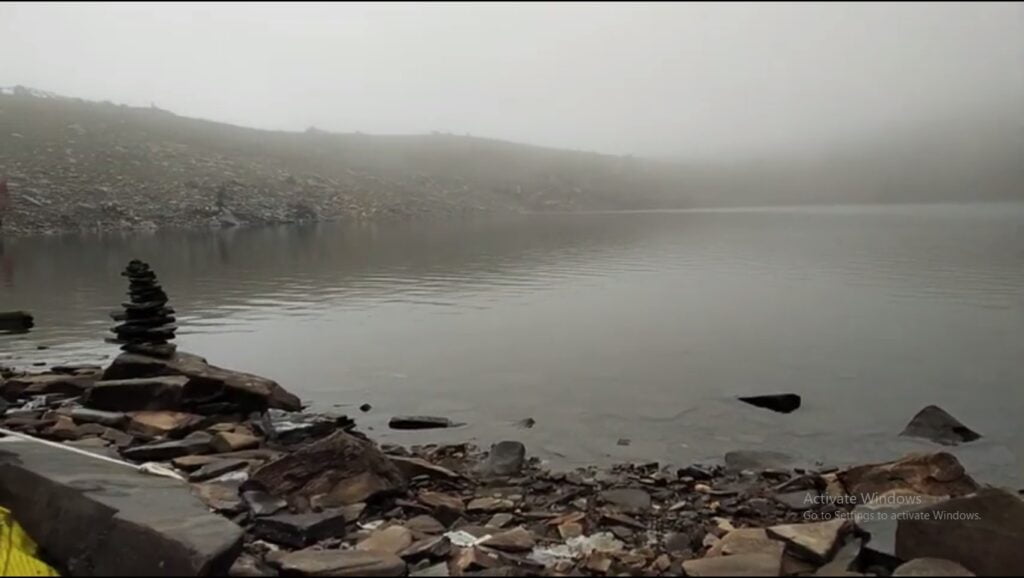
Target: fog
[689, 81]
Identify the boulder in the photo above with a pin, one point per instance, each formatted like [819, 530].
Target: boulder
[933, 423]
[983, 532]
[300, 530]
[390, 540]
[346, 468]
[931, 567]
[419, 422]
[738, 565]
[505, 459]
[207, 383]
[780, 402]
[145, 393]
[817, 541]
[341, 563]
[936, 474]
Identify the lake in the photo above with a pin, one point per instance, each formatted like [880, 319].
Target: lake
[638, 326]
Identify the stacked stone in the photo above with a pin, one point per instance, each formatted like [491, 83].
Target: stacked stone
[148, 325]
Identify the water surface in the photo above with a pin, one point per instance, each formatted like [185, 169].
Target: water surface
[601, 327]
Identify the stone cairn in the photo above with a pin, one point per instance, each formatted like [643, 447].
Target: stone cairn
[147, 322]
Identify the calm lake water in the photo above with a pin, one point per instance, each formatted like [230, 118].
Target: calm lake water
[642, 326]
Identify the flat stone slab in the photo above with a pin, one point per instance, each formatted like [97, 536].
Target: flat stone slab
[341, 563]
[96, 518]
[931, 567]
[816, 541]
[737, 565]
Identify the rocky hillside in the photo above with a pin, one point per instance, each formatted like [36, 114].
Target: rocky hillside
[79, 165]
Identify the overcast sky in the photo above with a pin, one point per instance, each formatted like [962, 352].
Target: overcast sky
[693, 80]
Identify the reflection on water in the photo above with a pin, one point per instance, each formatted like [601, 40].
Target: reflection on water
[599, 326]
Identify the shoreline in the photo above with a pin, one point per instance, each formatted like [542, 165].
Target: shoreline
[459, 509]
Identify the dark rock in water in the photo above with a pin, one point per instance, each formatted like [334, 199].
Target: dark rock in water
[346, 468]
[300, 530]
[152, 349]
[757, 460]
[419, 422]
[526, 423]
[624, 442]
[46, 383]
[16, 321]
[365, 407]
[505, 459]
[781, 402]
[933, 423]
[983, 532]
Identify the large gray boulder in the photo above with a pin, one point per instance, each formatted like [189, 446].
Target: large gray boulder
[207, 384]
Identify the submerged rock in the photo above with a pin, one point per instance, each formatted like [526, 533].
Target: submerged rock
[933, 423]
[780, 402]
[419, 422]
[505, 459]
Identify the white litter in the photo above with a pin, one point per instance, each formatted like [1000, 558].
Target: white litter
[576, 548]
[372, 525]
[464, 539]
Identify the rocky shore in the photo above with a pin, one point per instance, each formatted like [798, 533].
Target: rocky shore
[317, 497]
[311, 495]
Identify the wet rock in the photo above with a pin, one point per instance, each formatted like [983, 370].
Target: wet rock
[738, 565]
[419, 422]
[163, 451]
[263, 504]
[505, 459]
[514, 540]
[341, 563]
[424, 524]
[931, 567]
[781, 402]
[154, 424]
[747, 541]
[300, 530]
[933, 423]
[216, 469]
[983, 532]
[207, 383]
[247, 566]
[225, 442]
[628, 500]
[107, 418]
[738, 461]
[816, 541]
[345, 468]
[936, 474]
[147, 393]
[390, 540]
[365, 407]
